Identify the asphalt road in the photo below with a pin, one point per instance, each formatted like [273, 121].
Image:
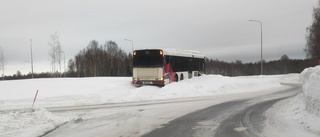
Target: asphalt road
[230, 119]
[228, 115]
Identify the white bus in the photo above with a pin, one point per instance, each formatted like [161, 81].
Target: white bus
[163, 66]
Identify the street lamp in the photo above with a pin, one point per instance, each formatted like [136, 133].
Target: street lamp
[31, 58]
[261, 42]
[131, 43]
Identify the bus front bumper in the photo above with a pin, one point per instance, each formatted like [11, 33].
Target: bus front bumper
[147, 82]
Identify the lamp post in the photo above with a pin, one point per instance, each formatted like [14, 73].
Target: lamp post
[31, 58]
[261, 42]
[2, 62]
[131, 43]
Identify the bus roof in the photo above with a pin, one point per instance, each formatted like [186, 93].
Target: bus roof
[179, 52]
[183, 53]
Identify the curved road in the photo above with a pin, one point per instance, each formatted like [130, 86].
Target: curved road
[231, 119]
[230, 115]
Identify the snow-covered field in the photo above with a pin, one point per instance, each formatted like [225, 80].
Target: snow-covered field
[86, 91]
[17, 118]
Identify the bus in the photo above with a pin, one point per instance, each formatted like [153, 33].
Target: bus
[163, 66]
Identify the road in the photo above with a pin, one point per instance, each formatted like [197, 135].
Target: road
[230, 119]
[242, 114]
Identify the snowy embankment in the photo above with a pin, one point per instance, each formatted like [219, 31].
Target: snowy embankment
[87, 91]
[301, 116]
[306, 105]
[311, 89]
[18, 119]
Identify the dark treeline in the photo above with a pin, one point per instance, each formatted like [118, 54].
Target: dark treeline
[100, 60]
[95, 60]
[110, 60]
[282, 66]
[19, 75]
[236, 68]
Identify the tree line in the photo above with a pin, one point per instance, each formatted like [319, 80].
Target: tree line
[93, 61]
[97, 61]
[100, 60]
[282, 66]
[110, 60]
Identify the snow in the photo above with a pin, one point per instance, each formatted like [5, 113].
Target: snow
[27, 122]
[290, 79]
[311, 89]
[17, 117]
[301, 115]
[87, 91]
[306, 105]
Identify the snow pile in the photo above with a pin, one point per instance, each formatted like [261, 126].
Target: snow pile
[27, 122]
[16, 96]
[87, 91]
[304, 110]
[217, 84]
[311, 89]
[297, 112]
[61, 91]
[290, 79]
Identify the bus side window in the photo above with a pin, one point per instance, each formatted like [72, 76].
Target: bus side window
[167, 60]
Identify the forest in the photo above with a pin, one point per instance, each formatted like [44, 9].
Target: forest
[110, 60]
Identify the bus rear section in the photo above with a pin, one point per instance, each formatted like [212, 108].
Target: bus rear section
[148, 67]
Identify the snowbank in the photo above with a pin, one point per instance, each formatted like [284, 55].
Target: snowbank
[87, 91]
[304, 110]
[27, 122]
[290, 79]
[311, 89]
[17, 96]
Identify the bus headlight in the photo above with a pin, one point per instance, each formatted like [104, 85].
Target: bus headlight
[160, 78]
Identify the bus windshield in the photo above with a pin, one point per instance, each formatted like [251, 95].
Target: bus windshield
[147, 58]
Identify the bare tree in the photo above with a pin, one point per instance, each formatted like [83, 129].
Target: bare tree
[285, 62]
[92, 59]
[59, 53]
[313, 37]
[2, 62]
[112, 49]
[19, 74]
[103, 60]
[55, 53]
[71, 67]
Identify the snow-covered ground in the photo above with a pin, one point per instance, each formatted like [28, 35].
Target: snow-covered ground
[17, 118]
[86, 91]
[301, 116]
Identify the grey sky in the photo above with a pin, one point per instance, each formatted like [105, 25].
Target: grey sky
[218, 28]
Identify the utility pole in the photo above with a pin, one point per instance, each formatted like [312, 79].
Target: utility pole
[31, 58]
[2, 62]
[261, 42]
[131, 43]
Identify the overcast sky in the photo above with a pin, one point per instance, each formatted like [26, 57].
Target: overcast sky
[218, 28]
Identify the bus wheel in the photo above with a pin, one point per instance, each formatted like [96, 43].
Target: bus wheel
[176, 79]
[181, 77]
